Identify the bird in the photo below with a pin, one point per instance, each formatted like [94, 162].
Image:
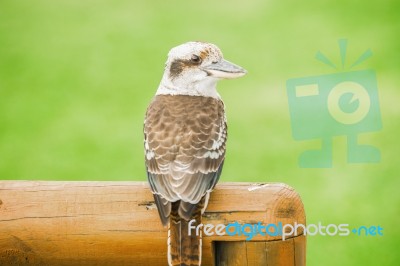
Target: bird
[185, 134]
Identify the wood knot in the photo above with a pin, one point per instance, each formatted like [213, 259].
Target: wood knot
[150, 205]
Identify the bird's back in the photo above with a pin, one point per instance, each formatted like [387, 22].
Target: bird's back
[185, 145]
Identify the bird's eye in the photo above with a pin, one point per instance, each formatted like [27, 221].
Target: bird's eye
[195, 59]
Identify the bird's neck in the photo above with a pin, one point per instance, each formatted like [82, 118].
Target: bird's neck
[205, 88]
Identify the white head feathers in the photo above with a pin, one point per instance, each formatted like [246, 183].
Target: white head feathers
[193, 68]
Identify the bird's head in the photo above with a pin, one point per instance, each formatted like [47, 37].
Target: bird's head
[193, 68]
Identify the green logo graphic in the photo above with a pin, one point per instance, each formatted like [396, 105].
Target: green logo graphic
[325, 106]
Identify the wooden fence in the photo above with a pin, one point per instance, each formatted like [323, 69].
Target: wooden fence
[116, 223]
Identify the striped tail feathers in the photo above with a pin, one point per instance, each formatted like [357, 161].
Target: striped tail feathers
[184, 249]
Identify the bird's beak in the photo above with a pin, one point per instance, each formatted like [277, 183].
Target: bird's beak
[224, 70]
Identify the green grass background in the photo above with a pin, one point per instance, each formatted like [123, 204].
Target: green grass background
[76, 77]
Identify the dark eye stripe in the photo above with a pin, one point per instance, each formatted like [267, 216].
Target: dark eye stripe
[176, 68]
[178, 65]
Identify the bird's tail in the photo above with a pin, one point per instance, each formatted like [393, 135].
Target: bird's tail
[184, 249]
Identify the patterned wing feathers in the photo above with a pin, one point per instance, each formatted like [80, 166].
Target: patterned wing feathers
[185, 146]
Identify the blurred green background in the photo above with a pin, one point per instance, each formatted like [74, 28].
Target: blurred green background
[76, 78]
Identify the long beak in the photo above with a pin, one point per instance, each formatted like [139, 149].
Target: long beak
[224, 70]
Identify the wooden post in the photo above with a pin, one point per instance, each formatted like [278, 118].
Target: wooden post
[116, 223]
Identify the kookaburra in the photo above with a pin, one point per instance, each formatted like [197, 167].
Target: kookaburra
[185, 141]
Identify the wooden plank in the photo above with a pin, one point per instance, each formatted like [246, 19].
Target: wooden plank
[109, 223]
[231, 253]
[280, 253]
[256, 253]
[300, 250]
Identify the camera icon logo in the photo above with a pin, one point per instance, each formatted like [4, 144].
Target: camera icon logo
[345, 103]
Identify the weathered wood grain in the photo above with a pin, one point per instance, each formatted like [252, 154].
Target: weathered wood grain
[116, 223]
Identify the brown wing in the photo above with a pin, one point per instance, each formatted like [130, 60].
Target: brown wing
[185, 140]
